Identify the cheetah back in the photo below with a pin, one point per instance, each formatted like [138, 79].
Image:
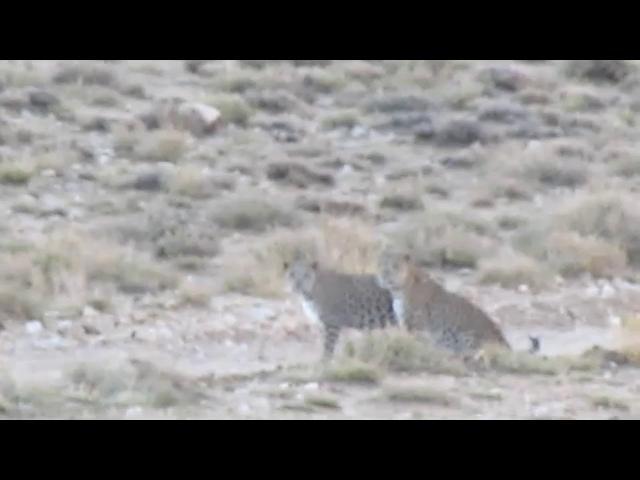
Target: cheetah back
[354, 301]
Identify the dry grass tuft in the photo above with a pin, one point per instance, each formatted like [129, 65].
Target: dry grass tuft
[612, 217]
[523, 363]
[418, 393]
[511, 269]
[164, 145]
[352, 371]
[249, 213]
[343, 244]
[68, 269]
[399, 351]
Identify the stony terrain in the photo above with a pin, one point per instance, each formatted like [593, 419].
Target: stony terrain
[148, 207]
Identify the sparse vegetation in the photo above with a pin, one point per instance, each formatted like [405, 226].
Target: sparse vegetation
[511, 269]
[353, 371]
[166, 145]
[418, 394]
[523, 363]
[322, 401]
[130, 226]
[609, 403]
[233, 108]
[337, 243]
[250, 214]
[611, 217]
[16, 173]
[398, 351]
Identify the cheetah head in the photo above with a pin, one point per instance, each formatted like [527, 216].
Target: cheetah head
[300, 275]
[392, 270]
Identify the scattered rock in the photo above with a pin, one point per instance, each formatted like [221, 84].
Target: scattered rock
[148, 181]
[343, 208]
[273, 102]
[460, 133]
[398, 103]
[86, 74]
[42, 99]
[33, 327]
[502, 112]
[197, 118]
[308, 205]
[297, 175]
[90, 330]
[599, 71]
[504, 78]
[408, 122]
[135, 91]
[283, 131]
[14, 101]
[97, 124]
[194, 66]
[458, 161]
[401, 202]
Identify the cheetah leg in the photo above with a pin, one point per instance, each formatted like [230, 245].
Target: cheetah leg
[331, 334]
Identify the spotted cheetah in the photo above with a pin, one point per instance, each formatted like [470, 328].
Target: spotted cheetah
[339, 300]
[452, 321]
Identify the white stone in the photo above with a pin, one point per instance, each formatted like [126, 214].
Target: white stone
[33, 327]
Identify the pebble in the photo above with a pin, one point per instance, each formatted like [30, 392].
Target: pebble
[33, 327]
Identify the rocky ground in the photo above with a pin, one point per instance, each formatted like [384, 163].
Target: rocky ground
[148, 207]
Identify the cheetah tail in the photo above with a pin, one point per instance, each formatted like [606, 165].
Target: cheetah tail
[534, 344]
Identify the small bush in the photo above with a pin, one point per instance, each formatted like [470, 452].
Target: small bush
[609, 71]
[353, 371]
[347, 120]
[16, 173]
[611, 217]
[418, 394]
[555, 172]
[85, 74]
[399, 351]
[401, 202]
[250, 214]
[166, 145]
[233, 109]
[523, 363]
[572, 254]
[510, 270]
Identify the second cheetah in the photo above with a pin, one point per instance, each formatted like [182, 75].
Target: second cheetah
[339, 300]
[452, 321]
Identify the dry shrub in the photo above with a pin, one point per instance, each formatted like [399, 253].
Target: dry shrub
[415, 392]
[192, 181]
[233, 108]
[196, 292]
[250, 213]
[571, 254]
[445, 237]
[399, 351]
[257, 269]
[67, 269]
[163, 145]
[610, 216]
[524, 363]
[510, 269]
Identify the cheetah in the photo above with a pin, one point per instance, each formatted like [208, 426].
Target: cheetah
[422, 305]
[339, 300]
